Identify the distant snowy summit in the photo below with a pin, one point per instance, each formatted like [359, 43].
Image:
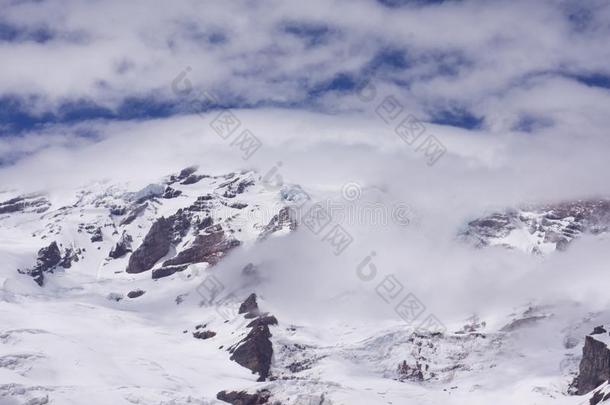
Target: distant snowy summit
[540, 229]
[186, 219]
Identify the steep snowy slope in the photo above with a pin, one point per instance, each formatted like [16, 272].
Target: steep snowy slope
[540, 229]
[114, 293]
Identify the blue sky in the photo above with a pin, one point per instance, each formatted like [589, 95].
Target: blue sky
[468, 64]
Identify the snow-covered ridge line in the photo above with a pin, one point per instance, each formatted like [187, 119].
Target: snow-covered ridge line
[540, 229]
[186, 219]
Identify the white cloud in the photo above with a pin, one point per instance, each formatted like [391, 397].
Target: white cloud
[511, 50]
[135, 49]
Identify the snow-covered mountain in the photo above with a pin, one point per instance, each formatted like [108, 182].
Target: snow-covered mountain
[540, 229]
[117, 295]
[163, 228]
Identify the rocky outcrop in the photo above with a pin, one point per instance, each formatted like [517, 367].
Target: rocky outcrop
[243, 185]
[135, 293]
[97, 236]
[49, 259]
[192, 179]
[243, 398]
[156, 244]
[134, 214]
[184, 173]
[160, 237]
[255, 351]
[167, 271]
[236, 186]
[550, 227]
[70, 256]
[171, 193]
[122, 247]
[204, 334]
[497, 225]
[208, 248]
[33, 203]
[268, 320]
[180, 225]
[600, 396]
[249, 307]
[415, 372]
[283, 220]
[594, 367]
[117, 210]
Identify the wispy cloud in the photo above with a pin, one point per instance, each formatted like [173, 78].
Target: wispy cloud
[469, 55]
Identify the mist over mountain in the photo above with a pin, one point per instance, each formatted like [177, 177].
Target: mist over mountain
[364, 202]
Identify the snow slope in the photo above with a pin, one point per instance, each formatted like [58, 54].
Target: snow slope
[79, 338]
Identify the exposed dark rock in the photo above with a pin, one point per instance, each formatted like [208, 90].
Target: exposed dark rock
[494, 226]
[206, 248]
[202, 204]
[302, 358]
[249, 306]
[133, 214]
[254, 352]
[156, 244]
[167, 271]
[231, 180]
[594, 367]
[70, 256]
[32, 203]
[301, 365]
[135, 293]
[180, 224]
[122, 247]
[118, 210]
[243, 398]
[12, 205]
[192, 179]
[184, 173]
[243, 185]
[598, 397]
[205, 223]
[204, 334]
[97, 235]
[282, 220]
[171, 193]
[268, 320]
[48, 258]
[598, 330]
[410, 373]
[235, 186]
